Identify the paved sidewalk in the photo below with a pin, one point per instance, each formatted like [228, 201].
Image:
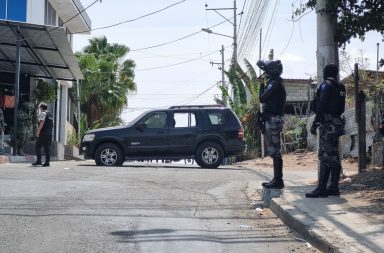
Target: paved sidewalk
[333, 224]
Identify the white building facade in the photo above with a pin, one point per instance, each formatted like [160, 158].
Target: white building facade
[52, 61]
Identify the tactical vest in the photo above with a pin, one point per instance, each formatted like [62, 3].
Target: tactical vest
[47, 128]
[275, 105]
[336, 104]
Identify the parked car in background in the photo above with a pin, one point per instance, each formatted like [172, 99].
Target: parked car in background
[206, 133]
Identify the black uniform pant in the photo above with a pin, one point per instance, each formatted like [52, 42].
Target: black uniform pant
[44, 141]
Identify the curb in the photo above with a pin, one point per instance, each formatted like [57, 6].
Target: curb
[303, 225]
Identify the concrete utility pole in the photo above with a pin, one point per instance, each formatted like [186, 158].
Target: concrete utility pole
[223, 97]
[327, 48]
[234, 23]
[261, 105]
[223, 74]
[234, 32]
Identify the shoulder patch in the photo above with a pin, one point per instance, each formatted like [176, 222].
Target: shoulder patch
[323, 86]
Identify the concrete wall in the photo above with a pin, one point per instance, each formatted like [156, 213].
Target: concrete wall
[36, 11]
[296, 92]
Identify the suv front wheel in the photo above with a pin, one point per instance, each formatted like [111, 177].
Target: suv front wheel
[109, 154]
[209, 155]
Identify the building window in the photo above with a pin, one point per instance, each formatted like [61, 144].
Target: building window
[50, 14]
[3, 9]
[13, 10]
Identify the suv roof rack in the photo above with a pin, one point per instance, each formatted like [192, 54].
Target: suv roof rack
[194, 106]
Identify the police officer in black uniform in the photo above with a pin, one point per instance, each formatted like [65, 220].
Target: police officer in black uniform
[329, 105]
[273, 98]
[44, 134]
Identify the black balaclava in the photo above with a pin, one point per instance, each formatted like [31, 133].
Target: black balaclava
[331, 70]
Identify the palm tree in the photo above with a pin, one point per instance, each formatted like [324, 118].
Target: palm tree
[108, 80]
[244, 106]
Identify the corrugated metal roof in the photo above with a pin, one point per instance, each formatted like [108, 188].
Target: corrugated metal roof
[45, 51]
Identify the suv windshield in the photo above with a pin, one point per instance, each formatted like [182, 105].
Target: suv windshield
[130, 123]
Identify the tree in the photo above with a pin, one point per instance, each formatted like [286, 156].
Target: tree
[244, 106]
[367, 78]
[108, 80]
[355, 17]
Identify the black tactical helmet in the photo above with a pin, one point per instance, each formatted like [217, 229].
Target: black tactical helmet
[331, 70]
[271, 68]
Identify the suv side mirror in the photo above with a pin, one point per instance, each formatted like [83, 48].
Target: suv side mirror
[141, 126]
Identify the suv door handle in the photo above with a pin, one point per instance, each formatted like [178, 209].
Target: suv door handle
[161, 132]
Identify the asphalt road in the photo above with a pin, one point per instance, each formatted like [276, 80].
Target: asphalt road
[78, 207]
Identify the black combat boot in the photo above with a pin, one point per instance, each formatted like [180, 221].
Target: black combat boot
[277, 181]
[37, 163]
[321, 189]
[333, 189]
[270, 182]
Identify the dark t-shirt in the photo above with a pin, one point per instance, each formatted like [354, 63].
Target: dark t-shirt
[47, 128]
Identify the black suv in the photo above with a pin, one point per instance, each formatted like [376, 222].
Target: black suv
[206, 133]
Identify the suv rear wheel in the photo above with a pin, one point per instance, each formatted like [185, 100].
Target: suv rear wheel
[209, 155]
[109, 154]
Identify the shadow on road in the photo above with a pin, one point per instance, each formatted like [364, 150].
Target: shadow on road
[165, 166]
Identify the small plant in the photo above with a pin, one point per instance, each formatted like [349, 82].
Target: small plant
[73, 139]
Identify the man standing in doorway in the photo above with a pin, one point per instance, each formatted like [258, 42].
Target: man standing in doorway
[330, 104]
[273, 98]
[44, 134]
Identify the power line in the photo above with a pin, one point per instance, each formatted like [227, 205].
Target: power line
[176, 40]
[290, 38]
[270, 26]
[199, 95]
[135, 19]
[77, 14]
[241, 18]
[179, 63]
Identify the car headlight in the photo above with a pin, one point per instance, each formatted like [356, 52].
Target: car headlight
[89, 137]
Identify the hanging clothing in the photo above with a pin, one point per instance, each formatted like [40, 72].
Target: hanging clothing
[9, 101]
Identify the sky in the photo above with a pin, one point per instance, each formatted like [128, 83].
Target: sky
[193, 79]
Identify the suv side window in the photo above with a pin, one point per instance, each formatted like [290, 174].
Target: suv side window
[184, 119]
[217, 117]
[156, 120]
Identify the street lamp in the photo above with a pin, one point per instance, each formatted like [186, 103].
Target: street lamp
[211, 32]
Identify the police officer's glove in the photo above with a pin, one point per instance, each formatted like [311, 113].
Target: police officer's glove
[314, 127]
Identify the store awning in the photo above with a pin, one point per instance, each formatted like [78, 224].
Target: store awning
[44, 52]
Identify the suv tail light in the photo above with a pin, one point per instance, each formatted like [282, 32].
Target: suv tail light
[240, 133]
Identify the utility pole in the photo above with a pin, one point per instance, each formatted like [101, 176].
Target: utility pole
[234, 23]
[327, 48]
[224, 99]
[223, 74]
[234, 32]
[262, 141]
